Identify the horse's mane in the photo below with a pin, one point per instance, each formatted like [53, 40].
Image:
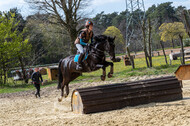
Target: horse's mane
[100, 38]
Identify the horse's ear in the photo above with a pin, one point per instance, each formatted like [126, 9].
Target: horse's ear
[114, 37]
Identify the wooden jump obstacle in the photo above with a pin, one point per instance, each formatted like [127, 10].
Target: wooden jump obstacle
[183, 72]
[117, 96]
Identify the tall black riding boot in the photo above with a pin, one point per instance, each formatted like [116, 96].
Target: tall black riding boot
[79, 66]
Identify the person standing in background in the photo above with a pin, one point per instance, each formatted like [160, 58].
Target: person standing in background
[36, 80]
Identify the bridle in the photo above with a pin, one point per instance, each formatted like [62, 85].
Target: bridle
[98, 52]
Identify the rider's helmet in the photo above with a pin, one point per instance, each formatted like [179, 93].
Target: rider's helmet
[88, 23]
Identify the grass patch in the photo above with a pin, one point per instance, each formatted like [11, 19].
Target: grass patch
[19, 86]
[120, 72]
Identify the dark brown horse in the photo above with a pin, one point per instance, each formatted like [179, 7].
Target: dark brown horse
[95, 60]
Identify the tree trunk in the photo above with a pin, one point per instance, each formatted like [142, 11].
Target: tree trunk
[4, 73]
[23, 70]
[135, 48]
[149, 43]
[73, 36]
[162, 45]
[144, 42]
[182, 50]
[5, 77]
[1, 78]
[173, 43]
[131, 60]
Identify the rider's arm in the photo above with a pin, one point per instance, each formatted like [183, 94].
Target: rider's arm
[82, 43]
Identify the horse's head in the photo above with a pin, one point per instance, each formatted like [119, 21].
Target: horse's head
[106, 43]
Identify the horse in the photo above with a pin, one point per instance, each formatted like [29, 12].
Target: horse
[95, 60]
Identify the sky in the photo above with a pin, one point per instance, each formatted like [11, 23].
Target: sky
[108, 6]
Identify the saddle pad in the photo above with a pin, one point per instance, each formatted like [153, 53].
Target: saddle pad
[77, 57]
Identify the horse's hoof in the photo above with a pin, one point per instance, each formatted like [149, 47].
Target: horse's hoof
[103, 78]
[65, 96]
[110, 75]
[59, 99]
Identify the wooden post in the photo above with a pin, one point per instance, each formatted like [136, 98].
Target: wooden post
[132, 61]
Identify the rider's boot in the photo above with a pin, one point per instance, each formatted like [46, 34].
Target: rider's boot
[79, 66]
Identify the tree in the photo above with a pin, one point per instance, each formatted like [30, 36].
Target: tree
[65, 14]
[6, 47]
[167, 33]
[178, 13]
[119, 41]
[13, 46]
[49, 42]
[164, 12]
[20, 37]
[186, 18]
[147, 44]
[174, 30]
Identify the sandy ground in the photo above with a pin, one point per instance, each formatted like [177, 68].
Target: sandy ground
[21, 109]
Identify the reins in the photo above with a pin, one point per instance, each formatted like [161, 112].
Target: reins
[97, 52]
[97, 49]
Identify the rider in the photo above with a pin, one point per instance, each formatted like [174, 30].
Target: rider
[82, 40]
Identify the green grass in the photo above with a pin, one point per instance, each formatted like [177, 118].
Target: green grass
[11, 88]
[120, 72]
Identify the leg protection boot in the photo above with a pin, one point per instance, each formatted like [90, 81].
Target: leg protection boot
[79, 66]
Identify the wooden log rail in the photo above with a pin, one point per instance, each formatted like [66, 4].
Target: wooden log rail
[120, 95]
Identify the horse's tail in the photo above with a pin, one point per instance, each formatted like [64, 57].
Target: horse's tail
[60, 75]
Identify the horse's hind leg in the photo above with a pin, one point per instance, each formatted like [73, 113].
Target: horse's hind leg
[67, 90]
[62, 92]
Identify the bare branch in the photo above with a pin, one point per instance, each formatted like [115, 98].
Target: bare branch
[66, 13]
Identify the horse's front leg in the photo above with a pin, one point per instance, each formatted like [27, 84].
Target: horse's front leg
[103, 76]
[110, 74]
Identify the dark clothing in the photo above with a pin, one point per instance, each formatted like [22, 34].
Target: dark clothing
[36, 76]
[37, 86]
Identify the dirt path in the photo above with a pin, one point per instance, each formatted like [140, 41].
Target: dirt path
[22, 109]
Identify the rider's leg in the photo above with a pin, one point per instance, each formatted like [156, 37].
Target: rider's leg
[81, 50]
